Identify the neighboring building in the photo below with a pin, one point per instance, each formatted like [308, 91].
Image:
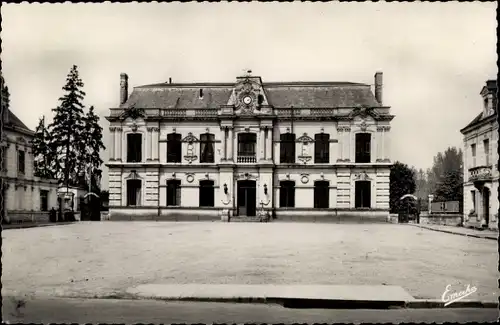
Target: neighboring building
[481, 163]
[24, 196]
[293, 149]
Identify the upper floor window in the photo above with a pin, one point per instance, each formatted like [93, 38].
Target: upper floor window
[322, 148]
[363, 143]
[246, 144]
[207, 141]
[21, 163]
[473, 153]
[287, 194]
[287, 148]
[486, 144]
[174, 147]
[134, 147]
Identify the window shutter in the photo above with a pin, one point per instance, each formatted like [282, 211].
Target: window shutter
[178, 194]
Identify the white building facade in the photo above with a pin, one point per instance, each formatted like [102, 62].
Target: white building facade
[24, 196]
[304, 150]
[481, 163]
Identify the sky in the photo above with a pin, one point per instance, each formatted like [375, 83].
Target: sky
[435, 57]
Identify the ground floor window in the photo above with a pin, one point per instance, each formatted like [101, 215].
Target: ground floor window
[363, 194]
[287, 194]
[321, 195]
[473, 196]
[206, 193]
[133, 192]
[44, 200]
[173, 192]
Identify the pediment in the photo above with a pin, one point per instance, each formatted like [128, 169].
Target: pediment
[364, 112]
[305, 138]
[190, 138]
[248, 97]
[133, 175]
[133, 113]
[363, 176]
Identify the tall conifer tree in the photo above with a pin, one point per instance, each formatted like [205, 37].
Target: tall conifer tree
[67, 131]
[42, 151]
[92, 134]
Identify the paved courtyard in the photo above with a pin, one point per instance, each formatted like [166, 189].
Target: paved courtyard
[106, 258]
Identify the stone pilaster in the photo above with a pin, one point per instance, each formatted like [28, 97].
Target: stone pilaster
[112, 150]
[230, 141]
[155, 137]
[120, 143]
[149, 144]
[269, 143]
[340, 132]
[262, 144]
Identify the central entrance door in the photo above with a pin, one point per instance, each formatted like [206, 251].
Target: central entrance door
[247, 199]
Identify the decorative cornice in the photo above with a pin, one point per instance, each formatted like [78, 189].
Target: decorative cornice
[383, 128]
[344, 129]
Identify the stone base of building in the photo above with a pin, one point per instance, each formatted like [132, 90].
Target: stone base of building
[480, 224]
[27, 216]
[216, 214]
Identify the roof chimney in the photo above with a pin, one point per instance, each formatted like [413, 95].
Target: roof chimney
[378, 87]
[169, 80]
[123, 88]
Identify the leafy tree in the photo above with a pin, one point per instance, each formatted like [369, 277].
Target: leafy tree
[42, 151]
[448, 175]
[91, 147]
[422, 190]
[67, 130]
[402, 181]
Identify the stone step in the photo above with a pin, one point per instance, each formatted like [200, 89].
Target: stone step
[245, 219]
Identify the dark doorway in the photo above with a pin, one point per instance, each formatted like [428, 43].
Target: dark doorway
[3, 208]
[363, 194]
[321, 195]
[133, 192]
[247, 199]
[363, 143]
[486, 208]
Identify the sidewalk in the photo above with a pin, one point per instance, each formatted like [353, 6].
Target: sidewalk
[34, 225]
[298, 296]
[485, 234]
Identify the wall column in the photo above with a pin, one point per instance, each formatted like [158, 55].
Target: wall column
[387, 145]
[230, 142]
[340, 144]
[378, 139]
[262, 144]
[112, 151]
[269, 145]
[149, 143]
[383, 144]
[224, 143]
[118, 144]
[155, 138]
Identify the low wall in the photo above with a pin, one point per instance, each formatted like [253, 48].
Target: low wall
[442, 219]
[164, 214]
[27, 216]
[332, 215]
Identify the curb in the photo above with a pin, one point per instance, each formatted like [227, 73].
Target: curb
[302, 303]
[21, 226]
[457, 233]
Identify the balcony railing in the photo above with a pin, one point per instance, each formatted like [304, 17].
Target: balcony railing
[246, 158]
[480, 173]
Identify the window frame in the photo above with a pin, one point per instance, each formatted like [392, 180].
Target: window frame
[44, 196]
[131, 153]
[362, 148]
[21, 167]
[247, 141]
[174, 147]
[207, 140]
[321, 148]
[288, 148]
[137, 193]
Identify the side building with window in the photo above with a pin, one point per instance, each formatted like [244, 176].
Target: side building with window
[481, 163]
[24, 196]
[312, 150]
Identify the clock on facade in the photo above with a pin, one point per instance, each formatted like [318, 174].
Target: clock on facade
[247, 100]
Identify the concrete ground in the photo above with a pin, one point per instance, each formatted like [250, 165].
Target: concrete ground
[106, 258]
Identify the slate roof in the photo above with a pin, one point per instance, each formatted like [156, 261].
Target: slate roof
[279, 95]
[14, 121]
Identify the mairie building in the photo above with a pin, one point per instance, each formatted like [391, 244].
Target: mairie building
[291, 150]
[481, 163]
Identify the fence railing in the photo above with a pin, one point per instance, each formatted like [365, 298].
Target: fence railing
[446, 207]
